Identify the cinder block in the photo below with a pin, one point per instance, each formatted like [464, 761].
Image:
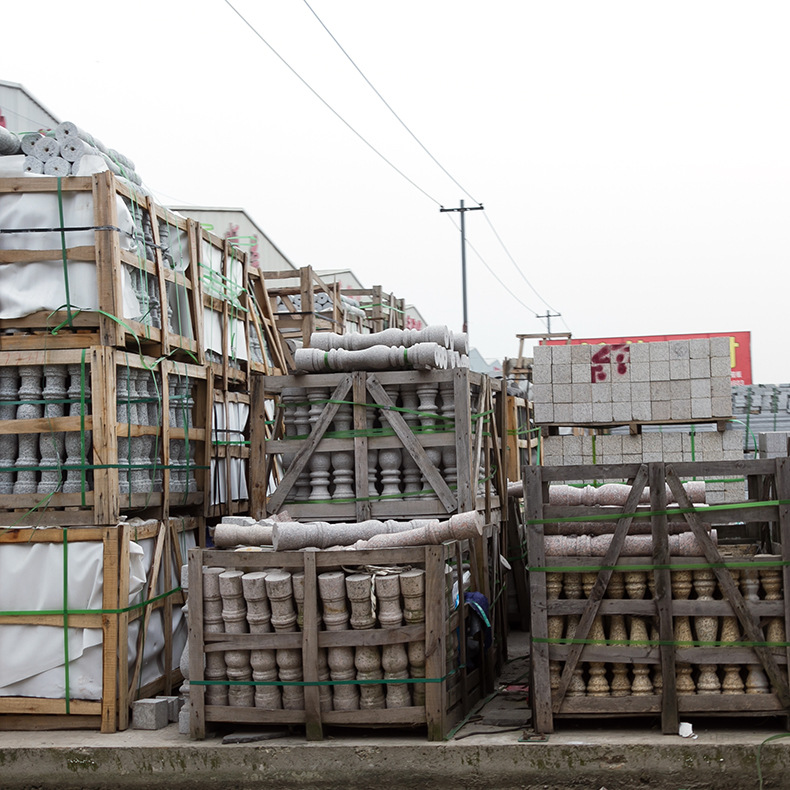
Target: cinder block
[640, 371]
[650, 458]
[640, 353]
[544, 413]
[602, 392]
[563, 414]
[700, 408]
[581, 355]
[542, 356]
[720, 347]
[678, 369]
[560, 355]
[711, 445]
[659, 370]
[732, 439]
[571, 445]
[679, 349]
[573, 460]
[721, 407]
[700, 388]
[619, 371]
[699, 368]
[659, 352]
[587, 448]
[680, 409]
[541, 393]
[541, 374]
[582, 412]
[602, 412]
[621, 392]
[680, 390]
[651, 442]
[671, 442]
[699, 348]
[734, 492]
[662, 410]
[641, 410]
[580, 373]
[610, 445]
[562, 393]
[561, 374]
[720, 366]
[621, 411]
[150, 714]
[174, 705]
[582, 393]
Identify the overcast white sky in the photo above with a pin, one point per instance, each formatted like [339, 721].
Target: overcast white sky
[634, 157]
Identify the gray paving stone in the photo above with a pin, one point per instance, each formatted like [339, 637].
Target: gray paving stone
[150, 714]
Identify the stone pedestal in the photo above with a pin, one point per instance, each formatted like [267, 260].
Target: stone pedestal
[263, 662]
[214, 624]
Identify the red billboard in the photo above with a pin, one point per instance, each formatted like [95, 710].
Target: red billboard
[740, 348]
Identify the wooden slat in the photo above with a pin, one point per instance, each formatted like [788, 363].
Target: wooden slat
[312, 702]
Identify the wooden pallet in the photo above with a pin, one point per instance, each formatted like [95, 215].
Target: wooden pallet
[452, 688]
[476, 442]
[661, 654]
[120, 685]
[99, 500]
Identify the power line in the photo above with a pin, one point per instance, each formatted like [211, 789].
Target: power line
[326, 104]
[387, 105]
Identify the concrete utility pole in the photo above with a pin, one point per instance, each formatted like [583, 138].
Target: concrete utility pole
[548, 317]
[462, 210]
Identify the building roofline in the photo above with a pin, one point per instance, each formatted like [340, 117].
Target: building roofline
[23, 89]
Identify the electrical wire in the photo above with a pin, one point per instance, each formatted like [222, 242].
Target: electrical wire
[327, 105]
[388, 106]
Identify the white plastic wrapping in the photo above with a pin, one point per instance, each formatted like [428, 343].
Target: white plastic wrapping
[229, 430]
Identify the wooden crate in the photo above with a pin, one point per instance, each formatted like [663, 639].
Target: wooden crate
[383, 310]
[121, 674]
[152, 267]
[680, 601]
[469, 428]
[522, 437]
[230, 455]
[450, 688]
[102, 474]
[263, 329]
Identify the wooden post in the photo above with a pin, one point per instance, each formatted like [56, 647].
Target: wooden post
[312, 702]
[197, 692]
[110, 658]
[436, 616]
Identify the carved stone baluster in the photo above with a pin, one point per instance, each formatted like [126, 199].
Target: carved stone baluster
[214, 624]
[319, 463]
[367, 659]
[449, 461]
[177, 446]
[371, 419]
[412, 588]
[390, 459]
[732, 682]
[411, 472]
[756, 681]
[264, 663]
[9, 390]
[555, 625]
[394, 659]
[635, 587]
[237, 662]
[155, 418]
[706, 630]
[681, 589]
[771, 578]
[145, 443]
[28, 409]
[289, 661]
[621, 685]
[332, 589]
[343, 460]
[301, 490]
[573, 590]
[597, 685]
[427, 393]
[52, 445]
[322, 666]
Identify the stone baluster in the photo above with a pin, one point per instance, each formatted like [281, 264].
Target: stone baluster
[177, 446]
[234, 615]
[319, 463]
[756, 681]
[183, 663]
[302, 488]
[394, 659]
[9, 390]
[411, 472]
[447, 411]
[190, 448]
[322, 665]
[706, 630]
[732, 682]
[367, 659]
[29, 408]
[216, 694]
[144, 444]
[635, 587]
[125, 409]
[263, 662]
[371, 420]
[412, 588]
[597, 684]
[621, 685]
[655, 637]
[52, 445]
[681, 589]
[771, 578]
[427, 392]
[279, 589]
[390, 459]
[343, 460]
[555, 626]
[155, 417]
[573, 591]
[332, 589]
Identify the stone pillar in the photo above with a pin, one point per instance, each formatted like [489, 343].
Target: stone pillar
[9, 392]
[264, 663]
[289, 661]
[28, 458]
[52, 445]
[214, 624]
[706, 630]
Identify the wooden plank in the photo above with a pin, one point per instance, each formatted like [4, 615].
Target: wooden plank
[108, 268]
[463, 448]
[106, 495]
[540, 682]
[257, 483]
[783, 526]
[312, 702]
[124, 548]
[362, 506]
[110, 576]
[663, 600]
[750, 624]
[197, 692]
[411, 445]
[601, 583]
[303, 456]
[435, 654]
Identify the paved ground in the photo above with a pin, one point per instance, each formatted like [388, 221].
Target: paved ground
[489, 751]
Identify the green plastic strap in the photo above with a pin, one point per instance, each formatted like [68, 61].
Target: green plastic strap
[66, 615]
[83, 459]
[69, 319]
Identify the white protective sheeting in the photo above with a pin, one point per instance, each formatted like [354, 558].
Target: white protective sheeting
[27, 288]
[229, 430]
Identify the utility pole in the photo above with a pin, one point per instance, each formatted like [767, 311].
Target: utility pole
[549, 315]
[462, 210]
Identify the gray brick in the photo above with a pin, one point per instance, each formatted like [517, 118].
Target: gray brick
[580, 374]
[720, 366]
[602, 412]
[174, 705]
[541, 393]
[679, 349]
[621, 392]
[650, 458]
[571, 445]
[640, 371]
[700, 408]
[602, 392]
[632, 445]
[621, 411]
[711, 445]
[660, 390]
[562, 393]
[640, 391]
[541, 357]
[680, 390]
[699, 348]
[587, 448]
[700, 388]
[671, 442]
[721, 407]
[641, 410]
[541, 374]
[582, 412]
[552, 445]
[560, 355]
[150, 714]
[616, 374]
[610, 444]
[720, 347]
[659, 370]
[662, 410]
[561, 374]
[651, 442]
[721, 387]
[580, 355]
[732, 439]
[678, 369]
[680, 409]
[659, 352]
[563, 413]
[582, 393]
[544, 413]
[640, 353]
[699, 368]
